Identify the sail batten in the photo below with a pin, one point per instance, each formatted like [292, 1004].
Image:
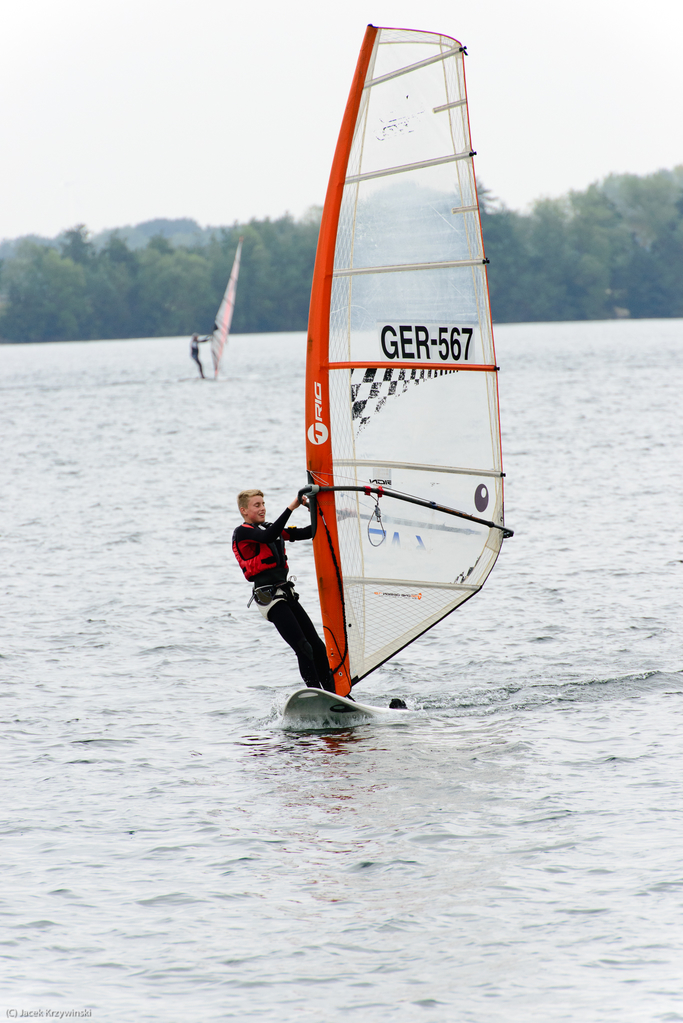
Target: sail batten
[437, 367]
[410, 584]
[413, 67]
[416, 467]
[354, 271]
[402, 168]
[401, 380]
[450, 106]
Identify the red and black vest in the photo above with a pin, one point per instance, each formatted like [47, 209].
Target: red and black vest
[256, 558]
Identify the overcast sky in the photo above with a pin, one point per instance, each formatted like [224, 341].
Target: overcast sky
[119, 111]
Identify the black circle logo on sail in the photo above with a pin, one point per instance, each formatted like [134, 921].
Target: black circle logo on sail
[481, 498]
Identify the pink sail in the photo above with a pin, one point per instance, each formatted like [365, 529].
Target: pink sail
[221, 327]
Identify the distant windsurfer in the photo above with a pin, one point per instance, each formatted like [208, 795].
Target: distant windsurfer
[194, 350]
[260, 551]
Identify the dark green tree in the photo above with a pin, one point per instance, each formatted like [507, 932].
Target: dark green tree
[112, 280]
[47, 296]
[75, 245]
[615, 249]
[173, 291]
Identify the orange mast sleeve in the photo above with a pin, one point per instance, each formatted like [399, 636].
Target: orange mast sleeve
[318, 443]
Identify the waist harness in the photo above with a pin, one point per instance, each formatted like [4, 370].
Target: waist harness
[267, 595]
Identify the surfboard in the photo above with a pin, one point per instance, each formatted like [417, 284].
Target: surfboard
[324, 710]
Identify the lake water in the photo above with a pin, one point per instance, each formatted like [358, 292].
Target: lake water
[508, 851]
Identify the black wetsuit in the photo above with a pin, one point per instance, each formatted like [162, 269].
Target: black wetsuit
[288, 616]
[194, 352]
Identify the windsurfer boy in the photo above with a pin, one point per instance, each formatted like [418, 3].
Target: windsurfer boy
[195, 342]
[260, 551]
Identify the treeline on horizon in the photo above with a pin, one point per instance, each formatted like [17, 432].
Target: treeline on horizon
[75, 290]
[613, 250]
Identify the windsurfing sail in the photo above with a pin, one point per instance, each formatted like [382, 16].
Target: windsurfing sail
[221, 327]
[403, 435]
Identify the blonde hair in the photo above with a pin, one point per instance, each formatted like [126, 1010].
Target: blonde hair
[245, 496]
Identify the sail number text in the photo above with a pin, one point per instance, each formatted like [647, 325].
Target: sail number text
[426, 342]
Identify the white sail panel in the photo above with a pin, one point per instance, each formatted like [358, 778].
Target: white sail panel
[413, 402]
